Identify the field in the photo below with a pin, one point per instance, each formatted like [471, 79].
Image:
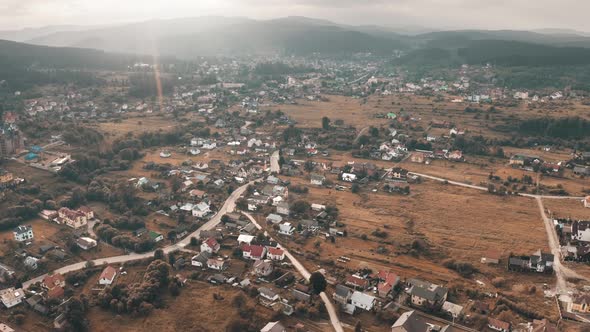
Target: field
[136, 125]
[194, 310]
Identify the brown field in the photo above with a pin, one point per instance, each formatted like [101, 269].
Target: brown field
[136, 125]
[194, 310]
[567, 208]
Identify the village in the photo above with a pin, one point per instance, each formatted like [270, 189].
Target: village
[350, 196]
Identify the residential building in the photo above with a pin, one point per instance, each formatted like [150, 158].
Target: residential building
[268, 296]
[201, 259]
[254, 252]
[362, 300]
[275, 254]
[587, 202]
[273, 327]
[317, 179]
[210, 245]
[342, 294]
[218, 264]
[263, 267]
[200, 210]
[580, 303]
[86, 243]
[107, 276]
[581, 231]
[491, 257]
[410, 321]
[72, 218]
[23, 233]
[274, 218]
[11, 297]
[498, 325]
[283, 208]
[426, 295]
[286, 229]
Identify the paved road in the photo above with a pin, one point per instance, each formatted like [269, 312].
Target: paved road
[336, 324]
[227, 207]
[274, 162]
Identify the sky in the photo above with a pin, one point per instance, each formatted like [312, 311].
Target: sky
[437, 14]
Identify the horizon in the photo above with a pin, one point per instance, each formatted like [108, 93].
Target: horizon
[403, 14]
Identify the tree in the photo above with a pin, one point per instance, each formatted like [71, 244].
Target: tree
[355, 188]
[76, 314]
[159, 254]
[358, 327]
[300, 207]
[308, 166]
[325, 123]
[318, 282]
[374, 132]
[364, 139]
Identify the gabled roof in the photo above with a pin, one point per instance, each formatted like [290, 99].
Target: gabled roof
[498, 323]
[409, 321]
[108, 273]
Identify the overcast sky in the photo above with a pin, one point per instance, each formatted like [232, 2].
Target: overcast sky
[450, 14]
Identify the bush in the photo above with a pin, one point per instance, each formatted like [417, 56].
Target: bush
[465, 269]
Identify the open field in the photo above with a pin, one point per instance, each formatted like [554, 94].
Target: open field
[194, 310]
[136, 125]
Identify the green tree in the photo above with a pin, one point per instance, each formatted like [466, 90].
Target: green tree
[326, 123]
[318, 282]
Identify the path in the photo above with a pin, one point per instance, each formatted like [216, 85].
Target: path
[303, 271]
[227, 207]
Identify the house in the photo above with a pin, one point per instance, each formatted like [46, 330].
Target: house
[491, 257]
[348, 177]
[201, 259]
[543, 325]
[452, 309]
[271, 179]
[410, 321]
[317, 179]
[581, 231]
[35, 302]
[267, 295]
[31, 263]
[283, 208]
[217, 278]
[357, 282]
[274, 218]
[286, 229]
[87, 212]
[72, 218]
[155, 236]
[582, 170]
[318, 207]
[210, 245]
[387, 282]
[23, 233]
[342, 294]
[107, 276]
[11, 297]
[426, 295]
[255, 252]
[498, 325]
[216, 264]
[456, 155]
[60, 321]
[273, 327]
[276, 254]
[200, 210]
[54, 280]
[399, 173]
[197, 193]
[301, 293]
[362, 300]
[263, 267]
[541, 262]
[587, 202]
[580, 303]
[418, 157]
[245, 239]
[86, 243]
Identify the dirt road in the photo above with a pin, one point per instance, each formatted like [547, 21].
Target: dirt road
[303, 271]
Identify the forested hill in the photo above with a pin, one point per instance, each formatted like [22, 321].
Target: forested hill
[24, 55]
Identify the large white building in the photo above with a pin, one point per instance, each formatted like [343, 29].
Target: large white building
[23, 233]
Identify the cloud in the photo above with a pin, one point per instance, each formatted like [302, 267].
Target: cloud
[495, 14]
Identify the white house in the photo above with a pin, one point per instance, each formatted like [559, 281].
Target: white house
[23, 233]
[210, 245]
[317, 179]
[348, 177]
[216, 264]
[86, 243]
[283, 208]
[201, 209]
[581, 231]
[209, 145]
[107, 276]
[286, 229]
[275, 254]
[11, 297]
[362, 300]
[274, 218]
[245, 238]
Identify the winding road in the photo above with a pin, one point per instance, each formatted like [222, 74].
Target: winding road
[334, 320]
[227, 207]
